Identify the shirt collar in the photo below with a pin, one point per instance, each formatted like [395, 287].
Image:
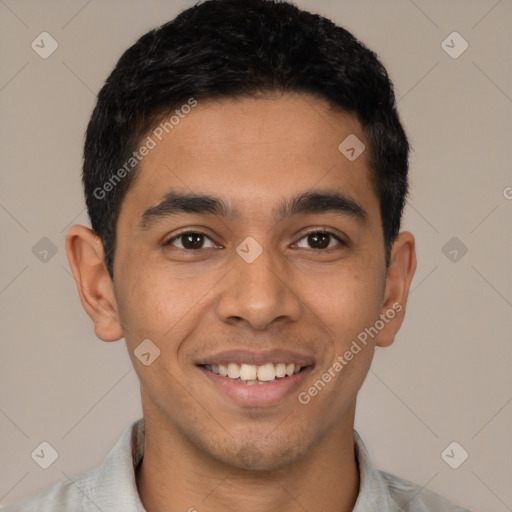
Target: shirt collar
[118, 473]
[116, 477]
[373, 491]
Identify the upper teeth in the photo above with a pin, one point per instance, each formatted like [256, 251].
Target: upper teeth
[250, 372]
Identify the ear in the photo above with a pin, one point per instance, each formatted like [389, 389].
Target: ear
[402, 266]
[85, 254]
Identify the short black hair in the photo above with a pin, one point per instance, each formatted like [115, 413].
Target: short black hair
[232, 49]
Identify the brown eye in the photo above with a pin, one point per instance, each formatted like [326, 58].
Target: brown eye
[191, 241]
[319, 240]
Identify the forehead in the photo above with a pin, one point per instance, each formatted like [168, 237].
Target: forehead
[252, 152]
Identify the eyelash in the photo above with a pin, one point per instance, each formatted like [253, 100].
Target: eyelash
[341, 242]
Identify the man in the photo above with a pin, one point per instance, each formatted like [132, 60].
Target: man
[245, 173]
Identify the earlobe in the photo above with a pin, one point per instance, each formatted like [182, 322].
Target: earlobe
[400, 272]
[95, 288]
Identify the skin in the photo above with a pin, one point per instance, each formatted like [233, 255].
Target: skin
[202, 449]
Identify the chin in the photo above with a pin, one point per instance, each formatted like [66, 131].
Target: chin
[267, 455]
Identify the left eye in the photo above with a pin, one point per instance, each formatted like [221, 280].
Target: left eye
[191, 241]
[319, 240]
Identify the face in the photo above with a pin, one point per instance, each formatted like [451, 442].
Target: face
[277, 268]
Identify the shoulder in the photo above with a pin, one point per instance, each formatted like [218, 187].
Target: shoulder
[411, 497]
[383, 491]
[110, 487]
[65, 495]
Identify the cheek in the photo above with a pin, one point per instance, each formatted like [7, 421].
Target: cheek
[159, 305]
[347, 300]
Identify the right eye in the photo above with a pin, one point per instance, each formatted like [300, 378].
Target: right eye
[191, 241]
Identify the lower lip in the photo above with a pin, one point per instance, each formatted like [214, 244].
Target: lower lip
[257, 395]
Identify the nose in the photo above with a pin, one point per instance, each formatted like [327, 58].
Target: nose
[258, 294]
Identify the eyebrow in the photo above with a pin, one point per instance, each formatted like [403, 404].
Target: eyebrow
[176, 203]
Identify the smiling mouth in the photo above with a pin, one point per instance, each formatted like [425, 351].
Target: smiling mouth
[251, 374]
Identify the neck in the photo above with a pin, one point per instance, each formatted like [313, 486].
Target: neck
[174, 476]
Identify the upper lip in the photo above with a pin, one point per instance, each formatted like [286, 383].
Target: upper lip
[257, 358]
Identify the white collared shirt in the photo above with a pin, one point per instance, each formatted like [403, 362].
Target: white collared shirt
[112, 486]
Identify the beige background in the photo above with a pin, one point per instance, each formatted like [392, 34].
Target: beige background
[447, 377]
